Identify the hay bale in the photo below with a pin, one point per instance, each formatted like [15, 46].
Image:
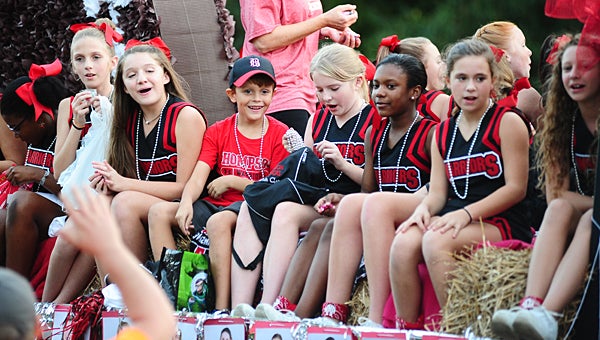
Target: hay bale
[359, 303]
[484, 281]
[94, 285]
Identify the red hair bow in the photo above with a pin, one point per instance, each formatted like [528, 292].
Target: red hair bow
[369, 67]
[587, 12]
[512, 99]
[156, 42]
[559, 43]
[111, 36]
[25, 91]
[498, 53]
[390, 41]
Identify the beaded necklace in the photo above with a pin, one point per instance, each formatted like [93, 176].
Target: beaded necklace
[573, 157]
[347, 144]
[260, 153]
[137, 147]
[383, 141]
[45, 157]
[468, 157]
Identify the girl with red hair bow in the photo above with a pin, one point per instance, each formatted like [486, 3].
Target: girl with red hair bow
[155, 141]
[566, 161]
[509, 38]
[433, 103]
[83, 123]
[28, 107]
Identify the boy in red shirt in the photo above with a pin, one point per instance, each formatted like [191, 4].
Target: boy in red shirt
[240, 150]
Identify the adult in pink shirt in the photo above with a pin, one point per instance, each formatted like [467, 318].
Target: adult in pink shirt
[287, 32]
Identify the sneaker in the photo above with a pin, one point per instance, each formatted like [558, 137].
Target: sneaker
[243, 310]
[265, 311]
[536, 324]
[366, 322]
[221, 313]
[323, 321]
[502, 323]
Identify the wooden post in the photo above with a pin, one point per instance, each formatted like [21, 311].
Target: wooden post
[192, 32]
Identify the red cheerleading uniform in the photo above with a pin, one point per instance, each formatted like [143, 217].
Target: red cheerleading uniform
[414, 168]
[352, 146]
[164, 163]
[486, 172]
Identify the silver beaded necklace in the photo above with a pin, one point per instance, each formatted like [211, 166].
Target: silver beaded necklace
[347, 144]
[137, 147]
[468, 157]
[383, 141]
[573, 157]
[45, 157]
[260, 153]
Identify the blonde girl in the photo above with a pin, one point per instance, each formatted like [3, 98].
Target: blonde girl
[92, 60]
[336, 133]
[508, 37]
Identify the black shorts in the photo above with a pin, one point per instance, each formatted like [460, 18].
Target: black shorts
[203, 210]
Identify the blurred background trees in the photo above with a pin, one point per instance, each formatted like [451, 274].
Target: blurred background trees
[442, 21]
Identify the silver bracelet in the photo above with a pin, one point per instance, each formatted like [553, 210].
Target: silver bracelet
[43, 179]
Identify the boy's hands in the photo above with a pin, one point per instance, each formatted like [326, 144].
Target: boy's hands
[218, 186]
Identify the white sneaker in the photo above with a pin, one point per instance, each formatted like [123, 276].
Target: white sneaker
[502, 323]
[265, 311]
[243, 310]
[536, 324]
[366, 322]
[323, 321]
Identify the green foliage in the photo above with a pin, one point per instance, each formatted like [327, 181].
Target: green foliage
[443, 21]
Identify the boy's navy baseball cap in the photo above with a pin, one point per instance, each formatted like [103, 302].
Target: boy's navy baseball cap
[246, 67]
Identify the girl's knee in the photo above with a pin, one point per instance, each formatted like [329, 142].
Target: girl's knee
[289, 212]
[406, 247]
[560, 207]
[64, 248]
[160, 212]
[327, 230]
[21, 202]
[121, 205]
[435, 244]
[372, 206]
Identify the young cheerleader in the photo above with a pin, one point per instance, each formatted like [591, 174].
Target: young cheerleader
[242, 149]
[83, 126]
[566, 165]
[381, 216]
[154, 144]
[478, 181]
[434, 103]
[397, 160]
[28, 107]
[508, 37]
[336, 133]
